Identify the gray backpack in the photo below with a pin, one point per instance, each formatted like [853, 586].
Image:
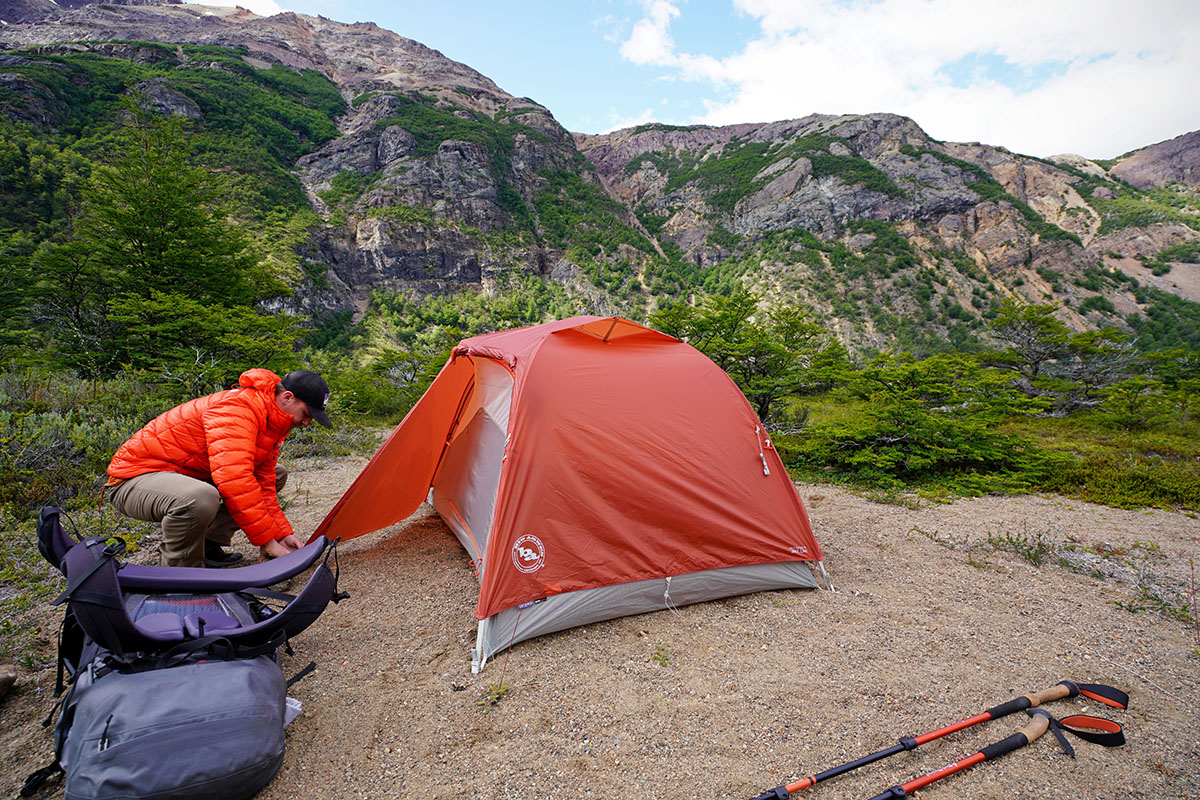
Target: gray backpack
[202, 729]
[175, 690]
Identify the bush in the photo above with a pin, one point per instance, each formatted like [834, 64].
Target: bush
[1127, 481]
[58, 433]
[1097, 303]
[931, 422]
[575, 213]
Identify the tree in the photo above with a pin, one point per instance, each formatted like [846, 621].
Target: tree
[194, 348]
[1069, 371]
[38, 197]
[930, 419]
[73, 292]
[1035, 338]
[1096, 361]
[770, 355]
[157, 222]
[153, 274]
[16, 281]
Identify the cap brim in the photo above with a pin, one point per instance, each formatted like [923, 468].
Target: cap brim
[320, 416]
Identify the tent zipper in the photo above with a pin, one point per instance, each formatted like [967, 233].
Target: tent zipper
[761, 453]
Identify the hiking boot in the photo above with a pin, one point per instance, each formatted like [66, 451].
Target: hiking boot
[215, 556]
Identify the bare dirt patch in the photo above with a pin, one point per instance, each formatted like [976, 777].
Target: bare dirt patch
[930, 623]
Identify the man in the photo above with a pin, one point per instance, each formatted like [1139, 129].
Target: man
[208, 467]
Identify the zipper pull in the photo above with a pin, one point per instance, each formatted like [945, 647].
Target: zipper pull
[104, 736]
[761, 454]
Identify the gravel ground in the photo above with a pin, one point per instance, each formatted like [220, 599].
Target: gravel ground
[930, 622]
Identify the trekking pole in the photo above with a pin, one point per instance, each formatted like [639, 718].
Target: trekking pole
[1099, 692]
[1036, 727]
[1109, 735]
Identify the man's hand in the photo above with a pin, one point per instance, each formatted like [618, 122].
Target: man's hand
[279, 547]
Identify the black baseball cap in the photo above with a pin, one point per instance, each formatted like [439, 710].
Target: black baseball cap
[312, 389]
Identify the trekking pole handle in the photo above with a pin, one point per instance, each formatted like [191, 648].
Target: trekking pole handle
[1037, 726]
[1027, 734]
[1025, 701]
[1055, 692]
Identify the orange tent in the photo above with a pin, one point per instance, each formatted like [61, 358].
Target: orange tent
[592, 468]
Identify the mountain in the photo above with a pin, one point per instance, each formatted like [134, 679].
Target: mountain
[436, 178]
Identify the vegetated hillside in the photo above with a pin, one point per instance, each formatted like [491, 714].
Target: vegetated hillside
[892, 234]
[436, 179]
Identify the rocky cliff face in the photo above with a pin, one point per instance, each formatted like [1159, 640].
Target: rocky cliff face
[439, 177]
[1173, 161]
[12, 11]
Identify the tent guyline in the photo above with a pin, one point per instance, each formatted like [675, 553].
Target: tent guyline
[591, 468]
[1095, 691]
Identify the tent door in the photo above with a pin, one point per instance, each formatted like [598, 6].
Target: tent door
[464, 489]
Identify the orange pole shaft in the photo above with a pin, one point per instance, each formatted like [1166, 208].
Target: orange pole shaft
[944, 772]
[949, 729]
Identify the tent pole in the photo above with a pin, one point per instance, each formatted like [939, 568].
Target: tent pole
[478, 659]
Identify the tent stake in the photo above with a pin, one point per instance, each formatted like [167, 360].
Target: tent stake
[825, 575]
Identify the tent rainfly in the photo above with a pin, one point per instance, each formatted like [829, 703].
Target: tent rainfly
[592, 468]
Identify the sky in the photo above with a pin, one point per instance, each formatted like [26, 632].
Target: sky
[1095, 77]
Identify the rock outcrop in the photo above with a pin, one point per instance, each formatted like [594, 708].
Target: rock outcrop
[1174, 161]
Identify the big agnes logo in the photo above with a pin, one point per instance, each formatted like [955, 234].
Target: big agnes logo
[528, 553]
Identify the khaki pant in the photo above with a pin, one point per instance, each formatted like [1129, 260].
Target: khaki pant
[189, 510]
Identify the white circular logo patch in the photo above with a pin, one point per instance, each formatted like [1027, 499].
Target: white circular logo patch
[528, 553]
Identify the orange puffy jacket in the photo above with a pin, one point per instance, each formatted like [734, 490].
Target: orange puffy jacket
[230, 438]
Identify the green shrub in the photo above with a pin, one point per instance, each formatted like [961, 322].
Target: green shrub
[346, 187]
[575, 213]
[1127, 481]
[930, 422]
[1097, 303]
[1187, 252]
[850, 169]
[1135, 208]
[1167, 320]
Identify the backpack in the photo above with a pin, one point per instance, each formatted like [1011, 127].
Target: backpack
[175, 689]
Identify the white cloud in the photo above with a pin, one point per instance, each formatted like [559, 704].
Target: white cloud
[608, 27]
[264, 8]
[651, 42]
[1098, 77]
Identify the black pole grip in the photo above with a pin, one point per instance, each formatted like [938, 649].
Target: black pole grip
[1006, 745]
[1011, 707]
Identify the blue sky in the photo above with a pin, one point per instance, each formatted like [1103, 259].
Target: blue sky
[1094, 77]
